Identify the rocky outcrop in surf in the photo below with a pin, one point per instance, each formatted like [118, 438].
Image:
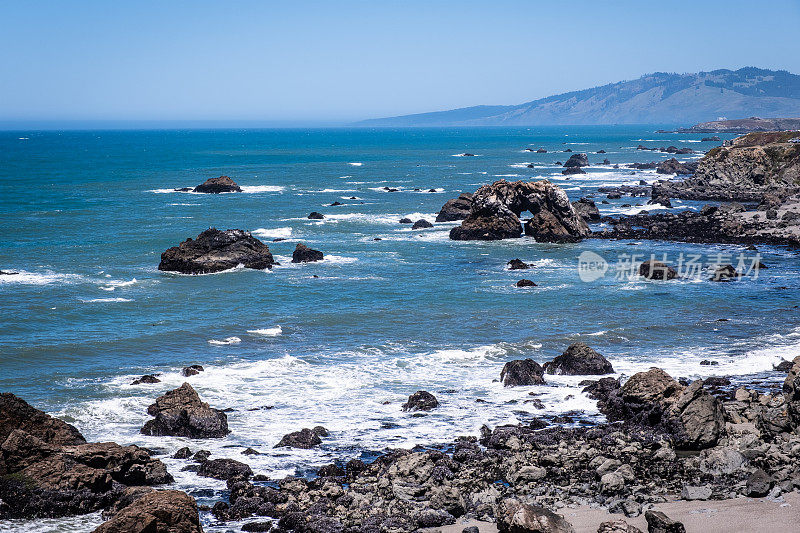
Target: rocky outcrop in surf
[163, 511]
[305, 438]
[578, 360]
[47, 469]
[496, 209]
[304, 254]
[456, 208]
[181, 413]
[214, 251]
[218, 185]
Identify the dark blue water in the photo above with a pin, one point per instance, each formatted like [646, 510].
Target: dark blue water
[85, 216]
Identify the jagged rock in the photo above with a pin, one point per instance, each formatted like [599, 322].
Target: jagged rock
[587, 209]
[218, 185]
[577, 160]
[224, 469]
[183, 453]
[658, 522]
[517, 264]
[521, 372]
[421, 224]
[496, 209]
[215, 251]
[167, 511]
[315, 216]
[516, 517]
[672, 166]
[146, 379]
[617, 526]
[455, 209]
[304, 254]
[192, 370]
[725, 273]
[421, 401]
[653, 269]
[578, 360]
[181, 413]
[17, 414]
[305, 438]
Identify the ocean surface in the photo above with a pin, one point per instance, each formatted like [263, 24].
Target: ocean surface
[85, 215]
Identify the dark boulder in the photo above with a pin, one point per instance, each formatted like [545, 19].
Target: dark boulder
[305, 438]
[758, 485]
[316, 216]
[181, 413]
[579, 360]
[455, 209]
[517, 264]
[573, 170]
[146, 379]
[406, 220]
[525, 283]
[421, 224]
[218, 185]
[658, 522]
[521, 372]
[653, 269]
[587, 209]
[672, 166]
[541, 151]
[183, 453]
[224, 469]
[191, 370]
[725, 273]
[304, 254]
[421, 401]
[215, 251]
[577, 160]
[17, 414]
[167, 511]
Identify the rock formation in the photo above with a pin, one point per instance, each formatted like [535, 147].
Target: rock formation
[218, 185]
[181, 413]
[215, 251]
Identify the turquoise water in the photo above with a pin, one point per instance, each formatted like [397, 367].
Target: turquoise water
[85, 216]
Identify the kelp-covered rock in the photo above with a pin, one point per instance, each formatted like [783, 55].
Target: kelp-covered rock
[214, 251]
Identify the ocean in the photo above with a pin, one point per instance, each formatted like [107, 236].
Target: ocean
[342, 343]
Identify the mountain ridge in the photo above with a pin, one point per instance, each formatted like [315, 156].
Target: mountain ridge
[657, 98]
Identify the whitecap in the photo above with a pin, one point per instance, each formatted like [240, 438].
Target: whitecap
[226, 341]
[23, 277]
[106, 300]
[267, 332]
[262, 188]
[355, 164]
[273, 233]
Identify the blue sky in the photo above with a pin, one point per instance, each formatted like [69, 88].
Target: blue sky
[348, 60]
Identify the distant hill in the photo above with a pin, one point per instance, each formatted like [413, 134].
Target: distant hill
[659, 98]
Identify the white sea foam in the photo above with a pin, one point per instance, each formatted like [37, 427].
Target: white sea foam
[466, 155]
[355, 164]
[338, 259]
[106, 300]
[273, 233]
[267, 332]
[262, 188]
[114, 284]
[23, 277]
[225, 341]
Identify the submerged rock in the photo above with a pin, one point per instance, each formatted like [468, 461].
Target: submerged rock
[316, 216]
[578, 360]
[517, 264]
[191, 370]
[525, 283]
[653, 269]
[165, 511]
[215, 251]
[304, 254]
[421, 224]
[522, 372]
[218, 185]
[305, 438]
[146, 379]
[181, 413]
[421, 401]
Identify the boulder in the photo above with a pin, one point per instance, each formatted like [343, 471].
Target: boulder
[215, 251]
[587, 209]
[653, 269]
[578, 360]
[672, 166]
[525, 283]
[577, 160]
[421, 224]
[573, 170]
[406, 220]
[191, 370]
[47, 469]
[658, 522]
[455, 209]
[521, 372]
[304, 254]
[167, 511]
[496, 209]
[315, 216]
[146, 379]
[758, 484]
[305, 438]
[725, 273]
[516, 517]
[421, 401]
[218, 185]
[617, 526]
[517, 264]
[181, 413]
[224, 469]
